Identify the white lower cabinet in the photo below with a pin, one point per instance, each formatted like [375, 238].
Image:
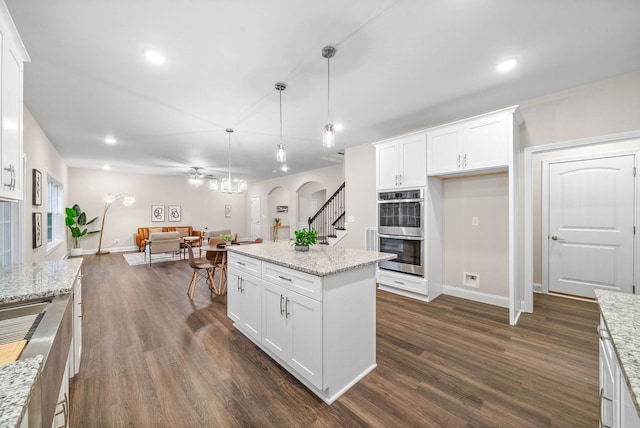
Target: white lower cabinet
[61, 415]
[244, 302]
[320, 329]
[292, 330]
[617, 409]
[76, 354]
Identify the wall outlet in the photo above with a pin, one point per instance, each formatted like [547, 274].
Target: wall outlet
[471, 280]
[475, 221]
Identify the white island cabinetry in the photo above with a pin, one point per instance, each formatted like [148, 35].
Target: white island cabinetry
[318, 311]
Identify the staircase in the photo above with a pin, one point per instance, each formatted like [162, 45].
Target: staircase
[330, 219]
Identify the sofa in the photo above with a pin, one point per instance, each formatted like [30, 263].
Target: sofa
[142, 236]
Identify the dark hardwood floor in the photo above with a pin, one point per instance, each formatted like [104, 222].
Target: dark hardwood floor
[154, 358]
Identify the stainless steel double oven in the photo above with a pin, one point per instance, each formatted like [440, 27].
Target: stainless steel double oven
[401, 231]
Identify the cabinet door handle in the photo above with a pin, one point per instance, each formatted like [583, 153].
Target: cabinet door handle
[286, 306]
[10, 176]
[399, 282]
[396, 177]
[284, 278]
[13, 178]
[603, 333]
[281, 308]
[241, 263]
[242, 285]
[465, 160]
[238, 284]
[458, 162]
[81, 310]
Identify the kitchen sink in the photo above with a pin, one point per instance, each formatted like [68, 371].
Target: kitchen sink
[17, 326]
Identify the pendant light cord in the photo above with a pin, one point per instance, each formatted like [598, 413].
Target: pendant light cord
[280, 90]
[328, 89]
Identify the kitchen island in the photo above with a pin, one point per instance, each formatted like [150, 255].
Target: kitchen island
[312, 312]
[619, 333]
[53, 282]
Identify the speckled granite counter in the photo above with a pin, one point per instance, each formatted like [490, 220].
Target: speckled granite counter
[46, 279]
[19, 283]
[16, 383]
[621, 313]
[320, 260]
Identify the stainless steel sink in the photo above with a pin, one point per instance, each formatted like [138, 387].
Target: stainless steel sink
[20, 322]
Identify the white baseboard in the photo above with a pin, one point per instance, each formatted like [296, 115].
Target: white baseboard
[112, 250]
[476, 296]
[537, 287]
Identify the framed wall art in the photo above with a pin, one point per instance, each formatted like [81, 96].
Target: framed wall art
[37, 188]
[282, 208]
[174, 212]
[37, 229]
[227, 211]
[157, 212]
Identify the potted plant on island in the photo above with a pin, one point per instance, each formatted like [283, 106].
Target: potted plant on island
[304, 238]
[76, 220]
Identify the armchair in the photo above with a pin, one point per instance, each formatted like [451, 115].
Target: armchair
[163, 242]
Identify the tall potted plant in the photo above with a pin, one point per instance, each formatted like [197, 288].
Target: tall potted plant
[76, 221]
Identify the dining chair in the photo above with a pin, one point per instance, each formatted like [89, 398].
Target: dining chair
[197, 267]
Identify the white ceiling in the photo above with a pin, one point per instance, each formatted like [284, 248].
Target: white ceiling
[399, 66]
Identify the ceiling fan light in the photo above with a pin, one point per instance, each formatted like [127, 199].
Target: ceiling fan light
[213, 184]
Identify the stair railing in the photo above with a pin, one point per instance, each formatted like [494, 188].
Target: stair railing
[330, 217]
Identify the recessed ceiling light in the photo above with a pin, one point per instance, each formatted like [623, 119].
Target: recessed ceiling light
[285, 168]
[110, 140]
[507, 64]
[106, 168]
[338, 127]
[154, 56]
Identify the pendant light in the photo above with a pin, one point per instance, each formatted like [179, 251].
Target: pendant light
[281, 154]
[225, 186]
[328, 136]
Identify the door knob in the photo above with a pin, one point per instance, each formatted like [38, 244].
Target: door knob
[555, 238]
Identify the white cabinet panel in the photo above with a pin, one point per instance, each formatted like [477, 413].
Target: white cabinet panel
[617, 409]
[13, 56]
[304, 316]
[402, 163]
[245, 302]
[274, 322]
[473, 145]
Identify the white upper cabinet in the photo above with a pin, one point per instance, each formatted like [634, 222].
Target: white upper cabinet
[402, 162]
[12, 59]
[478, 144]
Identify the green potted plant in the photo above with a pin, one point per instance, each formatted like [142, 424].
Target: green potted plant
[76, 221]
[304, 238]
[227, 238]
[277, 221]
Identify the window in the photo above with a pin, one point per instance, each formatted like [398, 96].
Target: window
[55, 212]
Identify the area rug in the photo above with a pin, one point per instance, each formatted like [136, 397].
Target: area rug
[135, 259]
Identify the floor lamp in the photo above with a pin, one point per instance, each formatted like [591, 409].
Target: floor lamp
[109, 199]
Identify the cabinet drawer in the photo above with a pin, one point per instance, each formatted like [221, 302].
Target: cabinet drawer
[300, 282]
[403, 282]
[244, 264]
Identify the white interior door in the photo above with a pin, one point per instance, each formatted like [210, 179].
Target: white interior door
[255, 217]
[591, 225]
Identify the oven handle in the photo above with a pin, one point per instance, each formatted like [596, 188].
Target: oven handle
[408, 238]
[394, 201]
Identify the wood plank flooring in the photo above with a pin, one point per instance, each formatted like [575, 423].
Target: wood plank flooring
[154, 358]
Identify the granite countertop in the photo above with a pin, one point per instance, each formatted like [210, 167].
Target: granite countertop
[21, 283]
[17, 380]
[320, 260]
[621, 313]
[45, 279]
